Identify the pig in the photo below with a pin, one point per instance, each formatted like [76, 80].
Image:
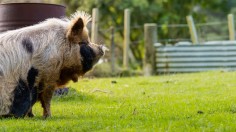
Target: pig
[35, 60]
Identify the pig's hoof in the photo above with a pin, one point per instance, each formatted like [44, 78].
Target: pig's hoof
[45, 116]
[30, 115]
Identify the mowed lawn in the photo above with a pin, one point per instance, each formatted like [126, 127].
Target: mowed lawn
[183, 102]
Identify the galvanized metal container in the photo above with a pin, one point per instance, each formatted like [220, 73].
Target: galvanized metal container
[196, 58]
[17, 15]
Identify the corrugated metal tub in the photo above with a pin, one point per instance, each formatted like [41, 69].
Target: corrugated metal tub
[195, 58]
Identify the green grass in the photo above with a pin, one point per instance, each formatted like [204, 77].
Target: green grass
[184, 102]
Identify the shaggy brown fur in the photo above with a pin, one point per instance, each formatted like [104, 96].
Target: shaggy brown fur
[37, 59]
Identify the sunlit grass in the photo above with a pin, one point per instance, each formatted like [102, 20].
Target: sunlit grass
[184, 102]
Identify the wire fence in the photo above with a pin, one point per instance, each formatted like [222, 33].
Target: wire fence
[211, 31]
[173, 33]
[167, 34]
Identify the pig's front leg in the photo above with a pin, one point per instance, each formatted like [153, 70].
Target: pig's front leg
[45, 99]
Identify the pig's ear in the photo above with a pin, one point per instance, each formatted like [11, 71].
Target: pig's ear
[75, 31]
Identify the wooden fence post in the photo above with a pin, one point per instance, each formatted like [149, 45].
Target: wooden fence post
[192, 30]
[112, 50]
[150, 37]
[126, 38]
[95, 19]
[231, 27]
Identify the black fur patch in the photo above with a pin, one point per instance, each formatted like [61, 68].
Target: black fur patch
[88, 56]
[25, 95]
[34, 95]
[21, 102]
[32, 74]
[28, 45]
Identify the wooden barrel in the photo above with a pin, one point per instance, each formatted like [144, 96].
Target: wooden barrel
[17, 15]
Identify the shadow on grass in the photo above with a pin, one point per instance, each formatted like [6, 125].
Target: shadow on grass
[39, 118]
[74, 95]
[53, 118]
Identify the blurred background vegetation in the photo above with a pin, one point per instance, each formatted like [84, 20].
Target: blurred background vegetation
[210, 17]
